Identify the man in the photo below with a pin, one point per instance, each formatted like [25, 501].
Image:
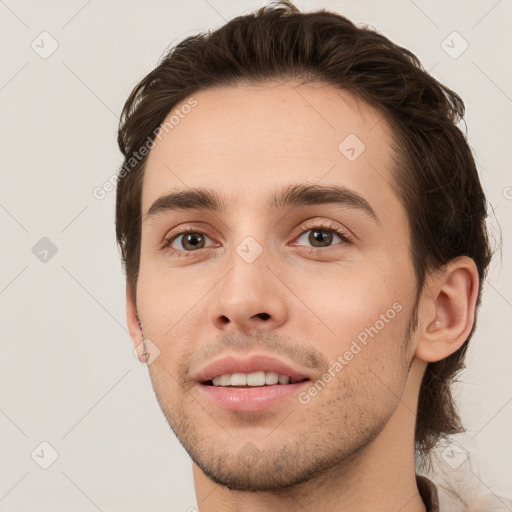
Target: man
[303, 231]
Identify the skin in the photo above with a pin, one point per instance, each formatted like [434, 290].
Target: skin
[350, 445]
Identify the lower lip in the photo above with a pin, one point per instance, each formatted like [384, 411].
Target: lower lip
[251, 399]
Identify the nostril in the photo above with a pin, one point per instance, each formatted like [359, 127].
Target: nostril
[264, 316]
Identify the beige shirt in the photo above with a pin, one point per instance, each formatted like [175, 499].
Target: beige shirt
[428, 493]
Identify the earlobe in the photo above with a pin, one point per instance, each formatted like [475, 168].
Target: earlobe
[451, 304]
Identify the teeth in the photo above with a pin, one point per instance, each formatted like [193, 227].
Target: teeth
[283, 379]
[271, 378]
[239, 379]
[255, 379]
[224, 380]
[260, 378]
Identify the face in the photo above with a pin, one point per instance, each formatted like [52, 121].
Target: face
[303, 270]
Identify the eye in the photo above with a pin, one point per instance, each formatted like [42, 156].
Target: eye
[188, 241]
[321, 235]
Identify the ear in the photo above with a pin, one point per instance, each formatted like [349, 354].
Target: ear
[447, 309]
[134, 326]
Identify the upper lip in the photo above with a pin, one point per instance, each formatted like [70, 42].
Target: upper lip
[256, 362]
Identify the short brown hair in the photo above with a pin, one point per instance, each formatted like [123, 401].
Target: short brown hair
[435, 174]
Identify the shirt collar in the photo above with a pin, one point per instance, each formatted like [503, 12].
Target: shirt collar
[428, 493]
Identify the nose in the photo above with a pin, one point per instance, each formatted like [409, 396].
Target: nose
[249, 297]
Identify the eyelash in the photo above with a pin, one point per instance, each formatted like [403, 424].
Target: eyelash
[345, 236]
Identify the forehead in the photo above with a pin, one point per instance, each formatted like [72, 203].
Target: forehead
[249, 141]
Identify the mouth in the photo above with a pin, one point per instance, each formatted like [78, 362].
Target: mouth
[256, 382]
[252, 380]
[238, 393]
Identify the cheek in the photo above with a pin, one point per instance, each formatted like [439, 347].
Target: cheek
[347, 301]
[359, 321]
[168, 294]
[166, 308]
[367, 358]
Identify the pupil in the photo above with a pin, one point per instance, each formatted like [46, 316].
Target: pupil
[320, 235]
[190, 239]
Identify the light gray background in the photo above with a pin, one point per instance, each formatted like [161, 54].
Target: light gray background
[68, 374]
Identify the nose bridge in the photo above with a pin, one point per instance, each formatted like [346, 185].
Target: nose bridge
[247, 294]
[248, 259]
[249, 242]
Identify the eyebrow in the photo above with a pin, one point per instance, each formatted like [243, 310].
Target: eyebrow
[290, 196]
